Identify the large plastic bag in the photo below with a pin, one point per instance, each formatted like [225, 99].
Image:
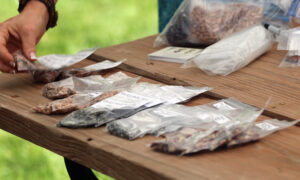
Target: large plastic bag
[260, 130]
[170, 118]
[204, 22]
[140, 97]
[234, 52]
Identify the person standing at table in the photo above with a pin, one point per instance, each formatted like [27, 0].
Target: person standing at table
[25, 30]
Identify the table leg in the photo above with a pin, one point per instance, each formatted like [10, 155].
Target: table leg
[78, 172]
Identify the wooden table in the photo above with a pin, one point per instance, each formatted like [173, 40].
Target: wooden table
[275, 157]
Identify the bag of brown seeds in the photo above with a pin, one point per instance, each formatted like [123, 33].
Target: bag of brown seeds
[204, 22]
[72, 103]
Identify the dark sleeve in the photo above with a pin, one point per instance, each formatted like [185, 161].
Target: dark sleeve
[50, 4]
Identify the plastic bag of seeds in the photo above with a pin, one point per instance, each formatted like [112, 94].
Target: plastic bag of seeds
[141, 96]
[119, 106]
[204, 22]
[72, 85]
[170, 118]
[260, 130]
[73, 103]
[234, 52]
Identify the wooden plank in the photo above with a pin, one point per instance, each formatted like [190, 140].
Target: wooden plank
[275, 157]
[253, 84]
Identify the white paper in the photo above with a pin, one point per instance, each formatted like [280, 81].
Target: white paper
[57, 61]
[175, 54]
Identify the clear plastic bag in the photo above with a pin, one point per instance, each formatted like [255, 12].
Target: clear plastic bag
[170, 118]
[260, 130]
[72, 103]
[72, 85]
[234, 52]
[204, 22]
[119, 106]
[140, 97]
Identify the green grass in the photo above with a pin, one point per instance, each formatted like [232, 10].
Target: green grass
[82, 24]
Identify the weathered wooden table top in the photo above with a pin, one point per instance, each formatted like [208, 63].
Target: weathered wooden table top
[253, 84]
[275, 157]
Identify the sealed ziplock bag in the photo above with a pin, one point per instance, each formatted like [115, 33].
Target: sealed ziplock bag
[170, 118]
[125, 104]
[233, 52]
[260, 130]
[72, 85]
[192, 139]
[67, 87]
[204, 22]
[119, 106]
[72, 103]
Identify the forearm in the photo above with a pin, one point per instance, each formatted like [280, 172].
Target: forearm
[43, 7]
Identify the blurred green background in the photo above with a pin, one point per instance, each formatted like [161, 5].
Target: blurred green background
[82, 24]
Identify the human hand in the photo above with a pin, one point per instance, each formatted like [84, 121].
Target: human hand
[23, 32]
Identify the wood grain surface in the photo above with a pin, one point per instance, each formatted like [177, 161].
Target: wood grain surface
[253, 84]
[275, 157]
